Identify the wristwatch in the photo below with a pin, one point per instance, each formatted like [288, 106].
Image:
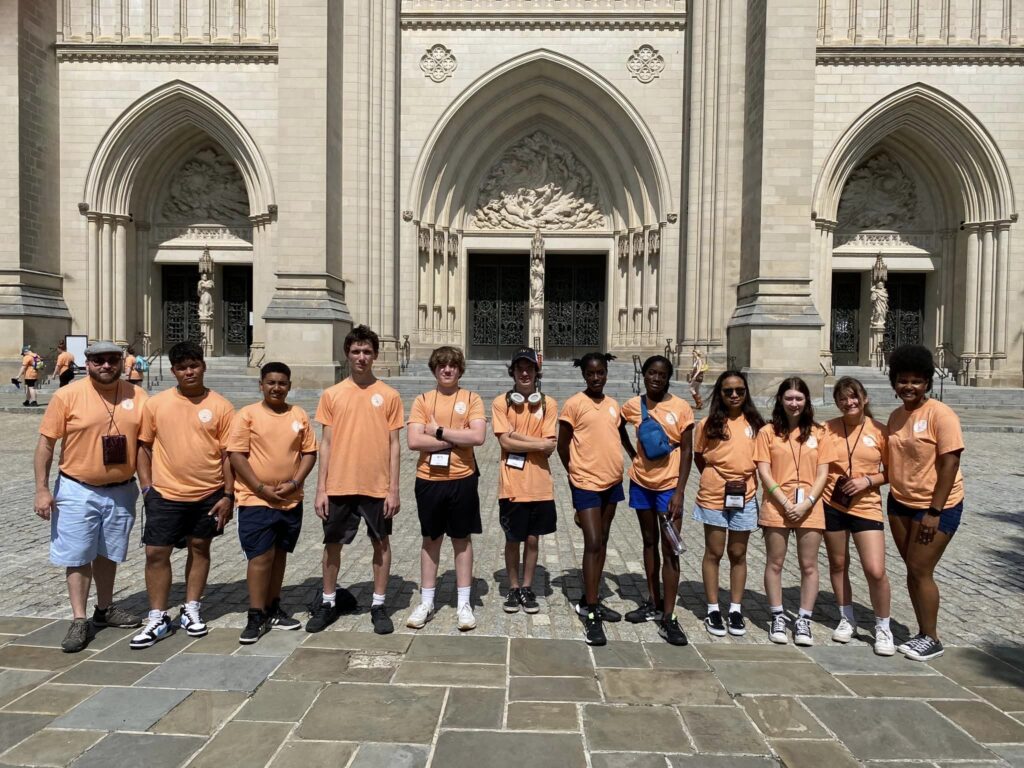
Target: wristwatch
[439, 433]
[934, 512]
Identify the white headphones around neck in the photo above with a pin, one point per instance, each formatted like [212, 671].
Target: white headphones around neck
[518, 398]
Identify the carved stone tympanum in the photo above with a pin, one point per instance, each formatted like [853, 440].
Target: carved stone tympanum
[207, 188]
[879, 195]
[539, 183]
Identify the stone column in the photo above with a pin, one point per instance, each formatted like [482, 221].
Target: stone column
[143, 284]
[970, 302]
[825, 231]
[775, 329]
[119, 278]
[536, 332]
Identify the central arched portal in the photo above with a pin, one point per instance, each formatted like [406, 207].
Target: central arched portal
[538, 203]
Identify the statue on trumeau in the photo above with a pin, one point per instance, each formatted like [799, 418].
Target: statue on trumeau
[537, 270]
[205, 292]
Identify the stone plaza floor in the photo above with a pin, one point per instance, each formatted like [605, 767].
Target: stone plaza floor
[520, 690]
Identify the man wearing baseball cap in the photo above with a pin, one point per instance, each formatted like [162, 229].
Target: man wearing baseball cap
[92, 507]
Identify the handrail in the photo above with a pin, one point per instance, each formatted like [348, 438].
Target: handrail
[636, 374]
[159, 357]
[962, 373]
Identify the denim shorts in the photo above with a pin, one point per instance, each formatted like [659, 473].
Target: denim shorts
[89, 521]
[949, 520]
[645, 498]
[735, 520]
[584, 499]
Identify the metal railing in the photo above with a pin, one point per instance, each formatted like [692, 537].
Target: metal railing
[636, 375]
[960, 372]
[405, 354]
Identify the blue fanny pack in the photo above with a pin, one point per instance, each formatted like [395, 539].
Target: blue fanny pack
[651, 435]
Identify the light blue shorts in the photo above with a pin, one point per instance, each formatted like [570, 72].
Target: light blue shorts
[739, 520]
[89, 522]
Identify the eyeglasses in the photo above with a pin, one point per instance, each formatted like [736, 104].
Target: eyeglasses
[101, 359]
[730, 391]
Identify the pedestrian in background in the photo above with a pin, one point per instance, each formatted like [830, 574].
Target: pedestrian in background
[64, 367]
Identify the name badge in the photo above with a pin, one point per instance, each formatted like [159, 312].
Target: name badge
[441, 458]
[516, 460]
[734, 502]
[799, 495]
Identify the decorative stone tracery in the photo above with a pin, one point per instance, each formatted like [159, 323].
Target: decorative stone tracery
[438, 63]
[645, 63]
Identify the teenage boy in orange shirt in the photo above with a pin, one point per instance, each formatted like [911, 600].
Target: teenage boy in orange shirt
[525, 421]
[272, 449]
[187, 488]
[358, 475]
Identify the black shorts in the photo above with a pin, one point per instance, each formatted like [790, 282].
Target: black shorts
[170, 522]
[67, 377]
[448, 507]
[262, 528]
[344, 513]
[521, 519]
[837, 520]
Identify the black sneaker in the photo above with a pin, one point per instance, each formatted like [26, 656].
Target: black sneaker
[595, 632]
[25, 404]
[257, 626]
[670, 630]
[643, 612]
[512, 604]
[381, 622]
[528, 600]
[924, 648]
[737, 626]
[281, 620]
[714, 625]
[603, 612]
[323, 616]
[77, 637]
[115, 617]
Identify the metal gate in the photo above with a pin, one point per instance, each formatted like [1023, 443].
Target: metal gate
[237, 295]
[846, 318]
[498, 297]
[904, 322]
[574, 288]
[180, 304]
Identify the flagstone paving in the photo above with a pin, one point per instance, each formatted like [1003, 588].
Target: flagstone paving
[490, 702]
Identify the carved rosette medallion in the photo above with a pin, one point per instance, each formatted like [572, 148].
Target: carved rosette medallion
[438, 63]
[645, 64]
[539, 183]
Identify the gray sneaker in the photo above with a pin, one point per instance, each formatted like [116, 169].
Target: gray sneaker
[77, 637]
[115, 617]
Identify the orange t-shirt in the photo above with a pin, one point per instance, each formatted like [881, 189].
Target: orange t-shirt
[129, 368]
[456, 411]
[675, 416]
[916, 439]
[731, 459]
[275, 443]
[869, 449]
[794, 465]
[79, 416]
[595, 451]
[28, 362]
[361, 420]
[532, 482]
[188, 439]
[64, 361]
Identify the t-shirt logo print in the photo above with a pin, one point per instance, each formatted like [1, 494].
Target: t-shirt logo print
[377, 401]
[921, 426]
[749, 431]
[670, 418]
[128, 404]
[205, 415]
[612, 412]
[296, 426]
[869, 441]
[812, 442]
[460, 408]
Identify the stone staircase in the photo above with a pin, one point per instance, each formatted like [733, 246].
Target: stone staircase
[879, 390]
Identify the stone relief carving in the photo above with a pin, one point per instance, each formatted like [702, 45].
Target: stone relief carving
[438, 63]
[539, 183]
[207, 188]
[880, 195]
[645, 63]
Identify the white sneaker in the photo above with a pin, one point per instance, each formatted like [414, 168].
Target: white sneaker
[884, 644]
[777, 632]
[153, 631]
[420, 615]
[193, 624]
[844, 631]
[802, 632]
[467, 620]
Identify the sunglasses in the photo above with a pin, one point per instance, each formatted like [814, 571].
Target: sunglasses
[101, 359]
[730, 391]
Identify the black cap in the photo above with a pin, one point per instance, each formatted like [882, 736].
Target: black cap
[526, 353]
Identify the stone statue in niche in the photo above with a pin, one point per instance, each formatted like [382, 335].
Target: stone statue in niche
[537, 270]
[207, 188]
[205, 292]
[879, 195]
[539, 183]
[879, 303]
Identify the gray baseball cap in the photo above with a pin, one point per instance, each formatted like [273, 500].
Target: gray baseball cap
[103, 348]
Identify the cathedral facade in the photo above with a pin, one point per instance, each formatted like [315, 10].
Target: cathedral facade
[786, 185]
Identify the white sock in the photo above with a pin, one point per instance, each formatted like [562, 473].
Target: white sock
[194, 605]
[329, 599]
[155, 614]
[804, 613]
[882, 623]
[377, 600]
[776, 609]
[426, 596]
[712, 607]
[735, 608]
[464, 593]
[848, 613]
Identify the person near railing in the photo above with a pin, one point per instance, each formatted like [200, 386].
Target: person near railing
[131, 366]
[64, 367]
[926, 489]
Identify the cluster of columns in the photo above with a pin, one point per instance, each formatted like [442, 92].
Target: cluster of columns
[440, 285]
[107, 275]
[986, 281]
[636, 291]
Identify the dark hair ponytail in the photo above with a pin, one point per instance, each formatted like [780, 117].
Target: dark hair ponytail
[602, 357]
